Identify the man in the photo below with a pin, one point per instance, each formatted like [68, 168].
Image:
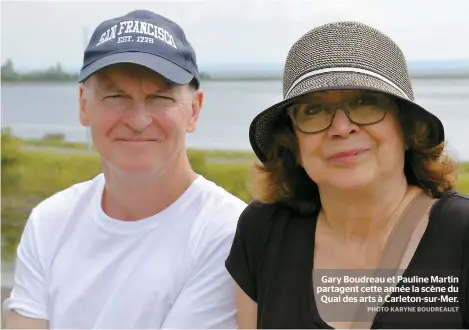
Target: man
[143, 244]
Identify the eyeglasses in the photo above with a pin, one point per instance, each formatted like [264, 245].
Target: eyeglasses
[365, 108]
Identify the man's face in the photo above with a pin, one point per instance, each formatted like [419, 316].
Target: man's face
[138, 120]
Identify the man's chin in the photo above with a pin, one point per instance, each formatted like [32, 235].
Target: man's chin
[133, 169]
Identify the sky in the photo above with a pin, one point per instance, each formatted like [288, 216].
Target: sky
[38, 34]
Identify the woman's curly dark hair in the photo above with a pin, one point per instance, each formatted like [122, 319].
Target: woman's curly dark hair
[283, 179]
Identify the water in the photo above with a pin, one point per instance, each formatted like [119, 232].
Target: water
[35, 110]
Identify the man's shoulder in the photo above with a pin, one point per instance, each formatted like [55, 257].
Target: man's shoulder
[58, 205]
[217, 199]
[219, 210]
[49, 219]
[217, 191]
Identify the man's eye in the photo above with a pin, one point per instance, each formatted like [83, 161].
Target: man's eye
[161, 97]
[162, 100]
[114, 96]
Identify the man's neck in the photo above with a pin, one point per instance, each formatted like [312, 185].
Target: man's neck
[373, 210]
[131, 197]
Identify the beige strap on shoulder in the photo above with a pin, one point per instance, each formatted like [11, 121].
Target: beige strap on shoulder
[395, 249]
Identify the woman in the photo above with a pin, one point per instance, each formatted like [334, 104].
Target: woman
[352, 178]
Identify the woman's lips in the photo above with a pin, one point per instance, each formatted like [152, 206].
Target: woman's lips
[348, 156]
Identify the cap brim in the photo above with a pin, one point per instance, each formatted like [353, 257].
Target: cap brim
[262, 125]
[167, 69]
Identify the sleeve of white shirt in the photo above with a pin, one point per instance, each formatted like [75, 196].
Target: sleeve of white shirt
[29, 295]
[207, 301]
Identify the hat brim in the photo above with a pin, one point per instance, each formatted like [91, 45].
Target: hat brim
[262, 126]
[162, 66]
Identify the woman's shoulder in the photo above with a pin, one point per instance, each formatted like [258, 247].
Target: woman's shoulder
[258, 220]
[258, 215]
[250, 244]
[452, 209]
[456, 203]
[460, 198]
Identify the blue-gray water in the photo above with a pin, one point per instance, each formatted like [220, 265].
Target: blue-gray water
[35, 110]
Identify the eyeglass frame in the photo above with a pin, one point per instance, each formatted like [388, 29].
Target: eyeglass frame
[341, 105]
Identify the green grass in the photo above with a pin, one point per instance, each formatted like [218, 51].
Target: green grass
[55, 142]
[29, 176]
[216, 155]
[219, 155]
[463, 179]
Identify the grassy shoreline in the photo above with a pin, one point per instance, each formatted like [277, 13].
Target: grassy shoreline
[241, 155]
[214, 160]
[56, 144]
[33, 170]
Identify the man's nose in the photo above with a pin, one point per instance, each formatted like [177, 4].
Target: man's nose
[139, 118]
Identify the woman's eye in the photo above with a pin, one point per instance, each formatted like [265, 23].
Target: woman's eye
[368, 99]
[313, 109]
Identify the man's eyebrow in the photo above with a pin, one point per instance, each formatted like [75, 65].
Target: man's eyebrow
[166, 86]
[109, 87]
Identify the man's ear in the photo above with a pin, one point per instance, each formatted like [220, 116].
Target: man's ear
[83, 114]
[197, 103]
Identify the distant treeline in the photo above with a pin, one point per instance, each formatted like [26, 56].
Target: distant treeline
[55, 73]
[9, 74]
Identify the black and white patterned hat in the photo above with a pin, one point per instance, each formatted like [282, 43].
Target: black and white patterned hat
[341, 55]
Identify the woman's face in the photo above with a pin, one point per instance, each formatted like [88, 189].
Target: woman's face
[343, 154]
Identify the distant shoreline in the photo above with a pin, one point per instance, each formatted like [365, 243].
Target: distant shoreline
[43, 82]
[228, 79]
[260, 71]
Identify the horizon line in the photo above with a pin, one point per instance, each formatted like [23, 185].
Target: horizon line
[205, 66]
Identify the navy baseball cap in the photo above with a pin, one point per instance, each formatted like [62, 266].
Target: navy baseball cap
[144, 38]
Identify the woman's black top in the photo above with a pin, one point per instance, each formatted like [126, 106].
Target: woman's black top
[272, 256]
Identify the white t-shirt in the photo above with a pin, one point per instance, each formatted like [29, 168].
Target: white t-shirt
[78, 268]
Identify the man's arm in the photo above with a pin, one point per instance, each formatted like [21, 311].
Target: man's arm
[13, 320]
[207, 300]
[26, 307]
